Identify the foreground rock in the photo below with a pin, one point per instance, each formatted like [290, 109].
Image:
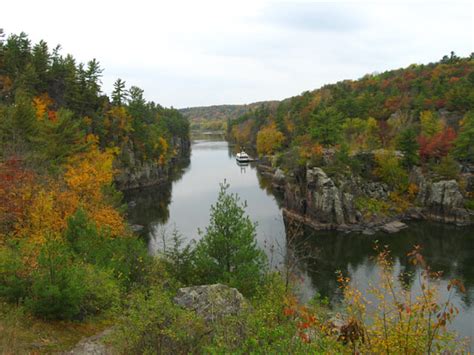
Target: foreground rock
[212, 302]
[93, 345]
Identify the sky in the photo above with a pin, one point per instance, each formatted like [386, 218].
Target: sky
[200, 53]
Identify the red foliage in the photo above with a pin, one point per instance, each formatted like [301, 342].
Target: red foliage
[13, 202]
[384, 132]
[437, 146]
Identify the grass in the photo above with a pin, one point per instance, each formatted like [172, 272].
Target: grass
[22, 333]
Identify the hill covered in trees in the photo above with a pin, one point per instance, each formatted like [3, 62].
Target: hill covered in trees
[386, 142]
[215, 117]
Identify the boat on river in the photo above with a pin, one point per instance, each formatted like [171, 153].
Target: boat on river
[242, 157]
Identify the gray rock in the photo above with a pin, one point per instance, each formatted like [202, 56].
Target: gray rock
[368, 231]
[443, 201]
[279, 176]
[136, 228]
[93, 345]
[393, 227]
[212, 302]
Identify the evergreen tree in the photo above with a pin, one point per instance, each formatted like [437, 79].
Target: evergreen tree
[119, 94]
[58, 139]
[408, 144]
[326, 126]
[228, 251]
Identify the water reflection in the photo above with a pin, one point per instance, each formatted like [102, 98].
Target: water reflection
[446, 248]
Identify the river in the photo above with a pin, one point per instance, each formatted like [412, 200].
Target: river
[183, 205]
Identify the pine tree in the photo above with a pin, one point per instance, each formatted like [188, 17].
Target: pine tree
[228, 251]
[408, 144]
[119, 94]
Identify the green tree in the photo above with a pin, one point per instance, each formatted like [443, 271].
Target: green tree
[326, 126]
[409, 146]
[228, 250]
[18, 125]
[58, 140]
[120, 93]
[464, 144]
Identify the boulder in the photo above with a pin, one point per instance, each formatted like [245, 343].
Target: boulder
[212, 302]
[393, 227]
[93, 345]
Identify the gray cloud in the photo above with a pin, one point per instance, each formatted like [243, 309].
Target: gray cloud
[331, 17]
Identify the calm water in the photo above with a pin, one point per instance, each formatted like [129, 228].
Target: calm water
[184, 203]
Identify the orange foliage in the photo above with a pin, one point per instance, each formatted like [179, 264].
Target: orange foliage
[438, 145]
[42, 104]
[36, 213]
[16, 186]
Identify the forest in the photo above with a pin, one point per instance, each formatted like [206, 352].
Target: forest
[421, 115]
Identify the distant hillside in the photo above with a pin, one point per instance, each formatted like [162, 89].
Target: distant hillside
[222, 112]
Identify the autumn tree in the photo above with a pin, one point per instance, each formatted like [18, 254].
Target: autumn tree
[269, 139]
[437, 146]
[430, 124]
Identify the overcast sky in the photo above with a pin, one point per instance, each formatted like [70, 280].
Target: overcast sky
[197, 53]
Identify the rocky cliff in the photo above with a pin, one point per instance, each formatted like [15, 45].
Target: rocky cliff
[315, 199]
[136, 173]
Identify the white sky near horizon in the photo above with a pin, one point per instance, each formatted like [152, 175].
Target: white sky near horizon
[200, 53]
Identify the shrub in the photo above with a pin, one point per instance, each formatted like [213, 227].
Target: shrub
[399, 322]
[447, 169]
[153, 324]
[390, 171]
[57, 290]
[126, 257]
[13, 285]
[101, 291]
[64, 288]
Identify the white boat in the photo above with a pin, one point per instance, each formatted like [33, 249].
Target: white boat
[242, 157]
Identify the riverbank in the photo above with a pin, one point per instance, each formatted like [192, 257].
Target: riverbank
[353, 203]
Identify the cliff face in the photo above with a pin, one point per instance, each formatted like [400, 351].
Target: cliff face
[136, 173]
[315, 199]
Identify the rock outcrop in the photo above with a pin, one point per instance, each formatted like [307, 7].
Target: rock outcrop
[212, 302]
[319, 199]
[134, 173]
[313, 198]
[443, 201]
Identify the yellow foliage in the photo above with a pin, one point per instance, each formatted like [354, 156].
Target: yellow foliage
[269, 139]
[41, 104]
[85, 176]
[394, 320]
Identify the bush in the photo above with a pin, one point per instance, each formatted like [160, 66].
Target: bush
[13, 286]
[66, 289]
[153, 324]
[447, 169]
[126, 257]
[390, 171]
[101, 291]
[57, 290]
